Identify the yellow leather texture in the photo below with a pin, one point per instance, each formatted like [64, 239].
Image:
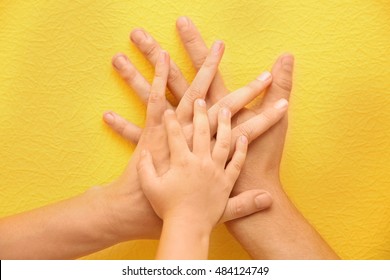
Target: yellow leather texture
[56, 80]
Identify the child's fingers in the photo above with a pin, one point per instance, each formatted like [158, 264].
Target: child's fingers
[234, 167]
[201, 83]
[146, 171]
[157, 101]
[123, 127]
[201, 138]
[260, 123]
[224, 137]
[237, 100]
[176, 140]
[246, 203]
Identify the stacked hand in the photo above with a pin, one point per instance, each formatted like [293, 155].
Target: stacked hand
[153, 134]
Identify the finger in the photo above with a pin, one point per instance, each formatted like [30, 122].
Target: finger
[149, 47]
[131, 76]
[246, 203]
[197, 50]
[282, 73]
[201, 83]
[146, 171]
[176, 140]
[123, 127]
[237, 100]
[234, 167]
[260, 123]
[222, 145]
[201, 138]
[157, 101]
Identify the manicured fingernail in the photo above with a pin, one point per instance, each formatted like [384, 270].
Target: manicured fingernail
[288, 63]
[281, 103]
[243, 139]
[201, 102]
[265, 76]
[262, 201]
[163, 57]
[216, 46]
[109, 118]
[138, 35]
[120, 62]
[182, 22]
[225, 112]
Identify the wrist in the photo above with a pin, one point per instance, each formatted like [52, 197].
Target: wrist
[181, 239]
[128, 212]
[188, 223]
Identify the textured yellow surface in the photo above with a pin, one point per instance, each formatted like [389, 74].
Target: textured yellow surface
[56, 80]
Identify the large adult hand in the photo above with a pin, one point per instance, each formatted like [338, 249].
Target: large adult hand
[239, 206]
[262, 167]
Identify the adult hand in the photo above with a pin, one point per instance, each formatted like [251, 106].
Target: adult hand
[261, 169]
[152, 136]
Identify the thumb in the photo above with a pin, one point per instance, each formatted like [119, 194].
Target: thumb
[146, 171]
[246, 203]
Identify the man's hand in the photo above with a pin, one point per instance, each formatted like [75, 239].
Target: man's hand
[284, 224]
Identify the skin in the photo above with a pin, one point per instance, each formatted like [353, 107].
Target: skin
[119, 211]
[191, 194]
[285, 233]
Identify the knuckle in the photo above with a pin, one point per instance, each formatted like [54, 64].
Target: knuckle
[174, 74]
[246, 131]
[283, 83]
[267, 117]
[225, 103]
[150, 50]
[224, 144]
[191, 39]
[154, 97]
[237, 166]
[193, 93]
[202, 131]
[199, 60]
[209, 63]
[129, 74]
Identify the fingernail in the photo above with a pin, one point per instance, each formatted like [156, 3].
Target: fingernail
[182, 22]
[243, 139]
[225, 112]
[109, 118]
[169, 112]
[138, 35]
[120, 62]
[265, 76]
[216, 46]
[201, 102]
[281, 103]
[288, 63]
[262, 201]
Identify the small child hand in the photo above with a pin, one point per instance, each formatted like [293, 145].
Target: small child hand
[191, 196]
[197, 185]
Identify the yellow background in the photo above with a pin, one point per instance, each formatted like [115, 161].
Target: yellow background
[56, 80]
